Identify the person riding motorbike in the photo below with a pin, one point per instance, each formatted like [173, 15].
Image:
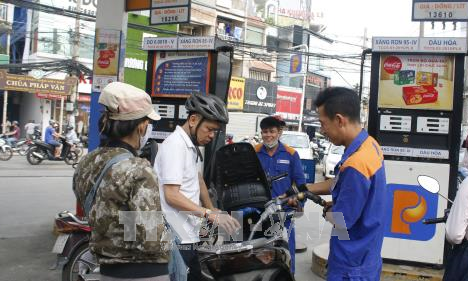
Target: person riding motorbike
[51, 135]
[14, 134]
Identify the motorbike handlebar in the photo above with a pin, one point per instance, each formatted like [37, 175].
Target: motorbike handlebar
[311, 196]
[435, 220]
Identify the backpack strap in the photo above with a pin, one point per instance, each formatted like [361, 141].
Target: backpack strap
[89, 201]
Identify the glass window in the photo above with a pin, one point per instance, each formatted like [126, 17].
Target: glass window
[337, 149]
[259, 75]
[295, 141]
[254, 35]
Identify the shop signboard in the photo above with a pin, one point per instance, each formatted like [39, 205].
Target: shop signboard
[24, 83]
[260, 96]
[236, 93]
[288, 102]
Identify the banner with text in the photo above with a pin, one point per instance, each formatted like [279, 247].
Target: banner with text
[236, 93]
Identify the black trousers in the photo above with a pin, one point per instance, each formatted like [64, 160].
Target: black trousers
[190, 256]
[457, 265]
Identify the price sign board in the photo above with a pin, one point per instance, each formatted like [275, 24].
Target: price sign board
[170, 12]
[440, 10]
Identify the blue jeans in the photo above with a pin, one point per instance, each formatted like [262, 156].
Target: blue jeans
[11, 141]
[291, 243]
[177, 268]
[183, 263]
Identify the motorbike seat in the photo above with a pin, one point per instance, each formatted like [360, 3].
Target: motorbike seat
[240, 181]
[45, 145]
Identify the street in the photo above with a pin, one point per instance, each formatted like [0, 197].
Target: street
[30, 197]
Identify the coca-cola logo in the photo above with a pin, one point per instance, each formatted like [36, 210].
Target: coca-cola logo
[392, 64]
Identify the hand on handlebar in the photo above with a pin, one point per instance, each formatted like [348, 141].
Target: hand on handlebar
[327, 208]
[228, 223]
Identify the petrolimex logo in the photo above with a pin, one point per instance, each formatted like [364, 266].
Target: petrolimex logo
[408, 206]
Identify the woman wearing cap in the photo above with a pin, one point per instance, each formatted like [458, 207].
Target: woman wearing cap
[126, 246]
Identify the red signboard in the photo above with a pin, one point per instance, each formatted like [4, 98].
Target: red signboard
[288, 103]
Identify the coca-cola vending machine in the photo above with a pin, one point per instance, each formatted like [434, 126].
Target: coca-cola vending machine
[415, 111]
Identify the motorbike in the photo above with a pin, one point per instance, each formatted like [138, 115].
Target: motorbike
[41, 151]
[256, 254]
[72, 248]
[6, 152]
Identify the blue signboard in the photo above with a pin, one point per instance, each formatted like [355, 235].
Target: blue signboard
[406, 208]
[308, 165]
[179, 74]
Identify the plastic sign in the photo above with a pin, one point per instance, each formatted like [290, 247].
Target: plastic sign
[168, 3]
[170, 15]
[178, 43]
[106, 52]
[415, 44]
[236, 93]
[180, 74]
[408, 206]
[295, 64]
[427, 10]
[137, 5]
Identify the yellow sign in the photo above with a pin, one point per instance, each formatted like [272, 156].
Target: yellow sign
[416, 82]
[236, 93]
[106, 52]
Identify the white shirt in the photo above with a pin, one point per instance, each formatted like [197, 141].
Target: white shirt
[176, 163]
[457, 221]
[29, 128]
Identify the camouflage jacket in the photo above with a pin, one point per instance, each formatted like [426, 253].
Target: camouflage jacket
[129, 185]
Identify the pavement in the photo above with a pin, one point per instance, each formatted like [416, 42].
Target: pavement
[31, 196]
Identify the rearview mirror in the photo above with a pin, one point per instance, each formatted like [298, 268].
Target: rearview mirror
[428, 183]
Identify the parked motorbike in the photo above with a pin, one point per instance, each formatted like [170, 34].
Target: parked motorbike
[72, 248]
[41, 151]
[261, 255]
[6, 152]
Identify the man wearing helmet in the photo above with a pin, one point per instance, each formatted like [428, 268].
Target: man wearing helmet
[183, 186]
[51, 135]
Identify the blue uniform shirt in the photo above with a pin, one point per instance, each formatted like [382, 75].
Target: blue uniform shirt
[359, 195]
[284, 160]
[49, 135]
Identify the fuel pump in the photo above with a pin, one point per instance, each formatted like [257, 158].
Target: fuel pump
[180, 66]
[415, 111]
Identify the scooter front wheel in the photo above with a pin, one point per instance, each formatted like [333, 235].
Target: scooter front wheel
[71, 158]
[6, 153]
[23, 149]
[33, 156]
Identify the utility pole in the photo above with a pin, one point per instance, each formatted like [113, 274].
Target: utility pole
[5, 93]
[75, 56]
